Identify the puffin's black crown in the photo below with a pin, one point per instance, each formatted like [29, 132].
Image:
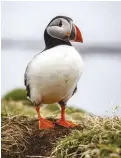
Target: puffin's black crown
[64, 17]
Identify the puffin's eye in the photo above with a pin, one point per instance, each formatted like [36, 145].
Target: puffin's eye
[60, 23]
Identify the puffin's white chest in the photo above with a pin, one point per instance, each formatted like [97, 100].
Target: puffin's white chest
[53, 75]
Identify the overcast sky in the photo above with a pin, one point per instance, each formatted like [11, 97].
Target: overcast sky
[98, 21]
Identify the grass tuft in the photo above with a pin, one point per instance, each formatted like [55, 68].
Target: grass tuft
[100, 138]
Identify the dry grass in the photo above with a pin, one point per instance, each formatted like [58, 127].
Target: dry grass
[15, 134]
[21, 137]
[95, 137]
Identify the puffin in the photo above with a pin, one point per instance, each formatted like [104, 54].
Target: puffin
[52, 75]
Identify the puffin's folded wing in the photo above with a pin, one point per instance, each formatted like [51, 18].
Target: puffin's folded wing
[26, 82]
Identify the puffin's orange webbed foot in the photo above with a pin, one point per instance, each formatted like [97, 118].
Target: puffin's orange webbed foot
[65, 123]
[45, 124]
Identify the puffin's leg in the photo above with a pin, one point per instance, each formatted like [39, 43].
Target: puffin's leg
[63, 121]
[43, 123]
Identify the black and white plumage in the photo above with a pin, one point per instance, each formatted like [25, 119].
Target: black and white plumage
[52, 76]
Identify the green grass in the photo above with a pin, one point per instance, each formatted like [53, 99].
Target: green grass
[13, 108]
[53, 110]
[16, 95]
[16, 103]
[99, 138]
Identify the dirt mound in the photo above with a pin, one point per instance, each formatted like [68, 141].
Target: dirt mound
[22, 138]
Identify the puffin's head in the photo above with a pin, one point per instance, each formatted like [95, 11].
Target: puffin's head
[63, 28]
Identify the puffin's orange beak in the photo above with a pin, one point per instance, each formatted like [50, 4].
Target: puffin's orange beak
[76, 35]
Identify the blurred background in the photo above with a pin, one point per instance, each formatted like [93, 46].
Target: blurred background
[22, 28]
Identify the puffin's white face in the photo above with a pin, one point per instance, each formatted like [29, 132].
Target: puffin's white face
[64, 29]
[58, 28]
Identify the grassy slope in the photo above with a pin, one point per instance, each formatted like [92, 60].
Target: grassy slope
[95, 137]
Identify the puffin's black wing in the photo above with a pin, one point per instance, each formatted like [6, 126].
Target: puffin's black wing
[74, 90]
[26, 82]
